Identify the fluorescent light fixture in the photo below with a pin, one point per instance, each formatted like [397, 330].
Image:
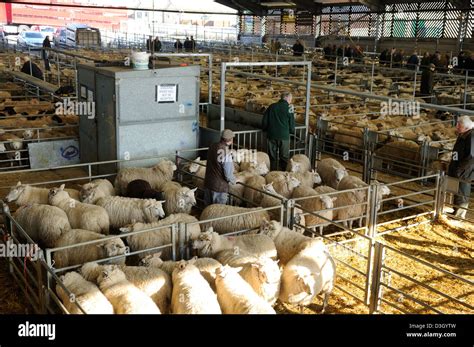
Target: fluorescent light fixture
[278, 4]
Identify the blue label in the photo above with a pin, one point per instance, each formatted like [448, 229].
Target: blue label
[69, 152]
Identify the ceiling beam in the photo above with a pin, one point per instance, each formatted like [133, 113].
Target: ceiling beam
[242, 6]
[374, 5]
[308, 5]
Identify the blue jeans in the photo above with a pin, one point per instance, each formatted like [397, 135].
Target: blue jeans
[211, 197]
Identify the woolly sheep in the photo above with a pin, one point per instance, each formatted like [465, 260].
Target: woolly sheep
[95, 190]
[156, 175]
[24, 194]
[308, 178]
[82, 254]
[331, 172]
[237, 190]
[287, 242]
[43, 223]
[259, 161]
[84, 293]
[125, 297]
[141, 189]
[231, 224]
[209, 243]
[316, 204]
[157, 238]
[80, 215]
[207, 266]
[192, 294]
[236, 296]
[152, 281]
[263, 274]
[123, 211]
[198, 169]
[299, 163]
[272, 199]
[178, 199]
[285, 187]
[250, 192]
[309, 273]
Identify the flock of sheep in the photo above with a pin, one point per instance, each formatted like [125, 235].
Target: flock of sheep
[246, 273]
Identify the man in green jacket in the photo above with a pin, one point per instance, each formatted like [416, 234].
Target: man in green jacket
[279, 122]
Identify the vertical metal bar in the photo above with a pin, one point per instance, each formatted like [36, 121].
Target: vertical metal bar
[465, 90]
[210, 79]
[374, 296]
[181, 240]
[372, 76]
[335, 71]
[174, 230]
[223, 70]
[89, 168]
[414, 82]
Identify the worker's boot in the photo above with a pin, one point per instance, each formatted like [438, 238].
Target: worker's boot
[461, 211]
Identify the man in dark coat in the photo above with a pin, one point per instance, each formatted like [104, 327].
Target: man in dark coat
[219, 170]
[178, 45]
[425, 61]
[45, 53]
[157, 44]
[427, 81]
[462, 164]
[32, 69]
[413, 61]
[298, 49]
[279, 122]
[188, 45]
[384, 56]
[149, 44]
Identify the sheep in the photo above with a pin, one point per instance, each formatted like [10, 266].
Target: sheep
[84, 293]
[283, 184]
[82, 254]
[259, 168]
[152, 281]
[207, 266]
[308, 178]
[141, 189]
[161, 237]
[331, 172]
[198, 169]
[80, 215]
[255, 160]
[156, 176]
[250, 192]
[209, 243]
[125, 297]
[11, 141]
[23, 194]
[263, 274]
[123, 211]
[43, 223]
[236, 296]
[309, 273]
[272, 200]
[287, 242]
[299, 163]
[178, 199]
[192, 294]
[232, 223]
[93, 191]
[316, 204]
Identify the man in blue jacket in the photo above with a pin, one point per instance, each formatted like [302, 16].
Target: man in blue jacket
[279, 122]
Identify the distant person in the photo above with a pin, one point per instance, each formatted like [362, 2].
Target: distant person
[298, 49]
[193, 44]
[45, 53]
[187, 45]
[149, 44]
[358, 54]
[425, 61]
[397, 59]
[178, 45]
[427, 82]
[413, 61]
[31, 68]
[327, 52]
[436, 60]
[462, 59]
[156, 45]
[462, 164]
[340, 51]
[279, 122]
[383, 58]
[219, 170]
[276, 46]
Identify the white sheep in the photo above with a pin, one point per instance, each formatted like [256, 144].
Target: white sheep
[331, 172]
[198, 168]
[209, 243]
[316, 204]
[156, 176]
[207, 266]
[236, 296]
[263, 274]
[310, 272]
[152, 281]
[84, 293]
[287, 242]
[83, 254]
[259, 161]
[286, 186]
[100, 188]
[299, 163]
[43, 223]
[125, 297]
[80, 215]
[23, 194]
[157, 238]
[232, 223]
[308, 178]
[192, 294]
[250, 192]
[178, 199]
[123, 211]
